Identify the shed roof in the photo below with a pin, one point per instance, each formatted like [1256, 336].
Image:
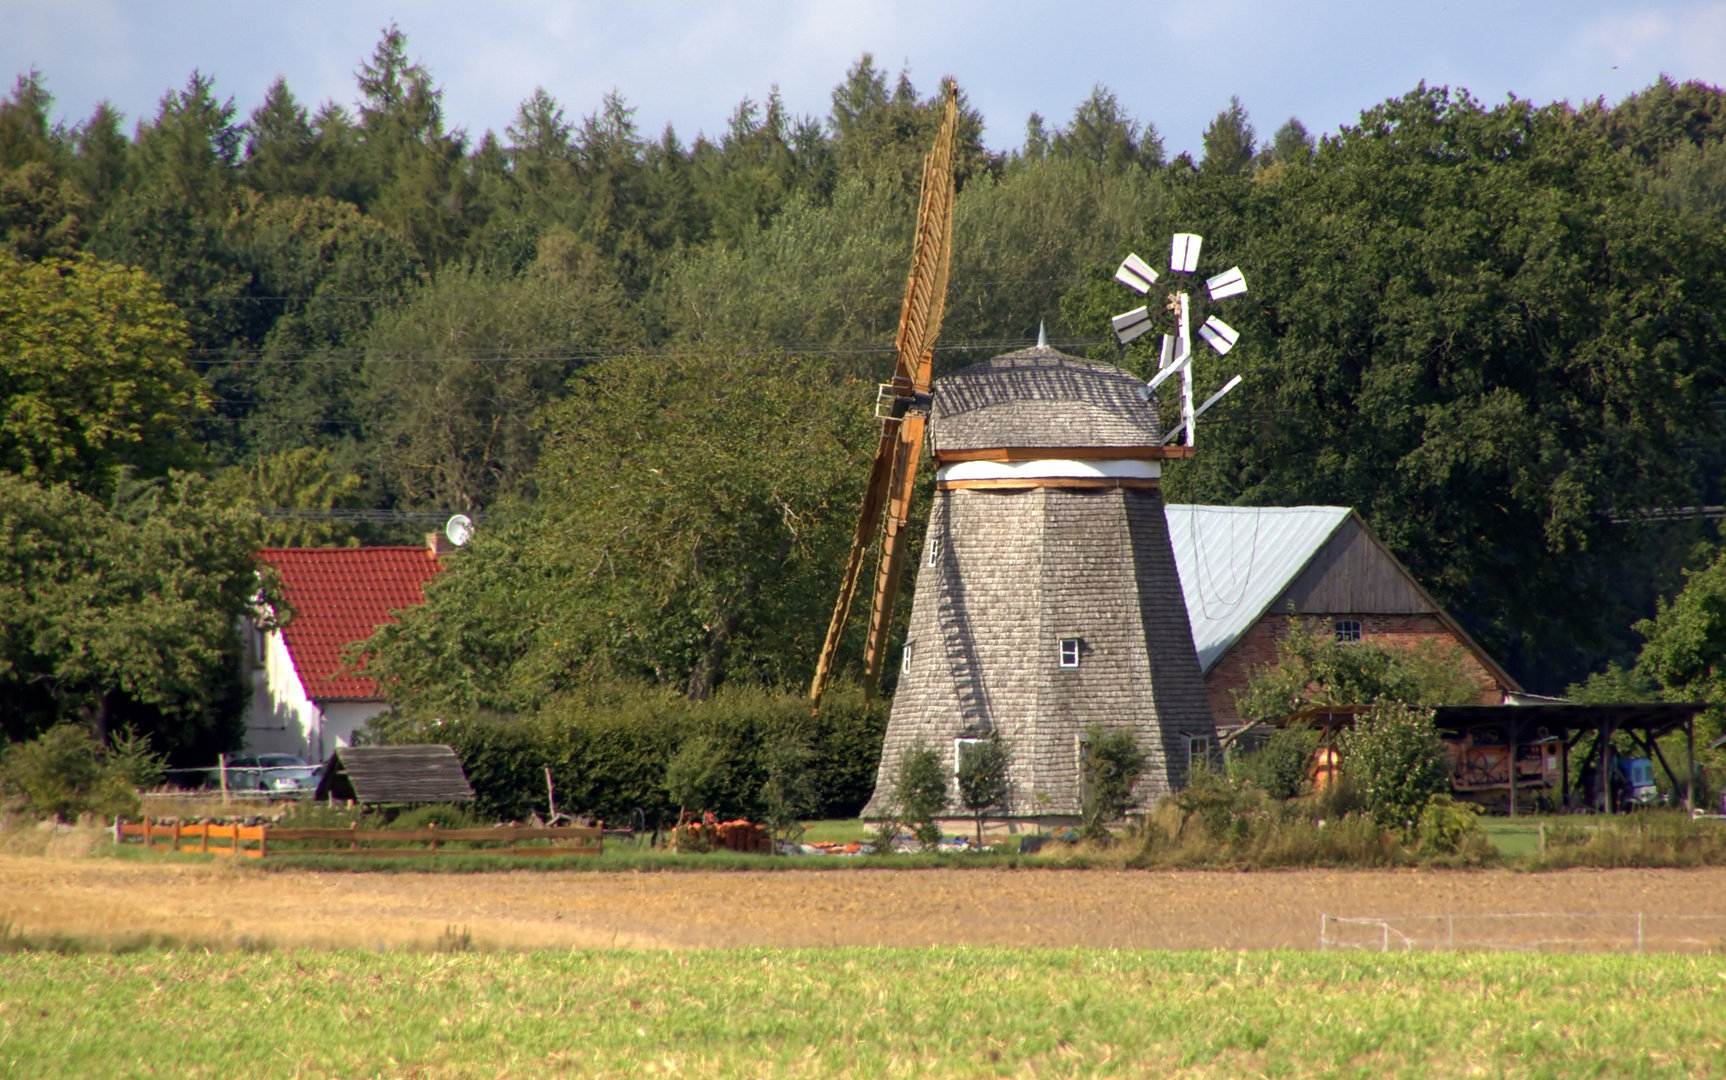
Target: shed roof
[428, 772]
[339, 596]
[1041, 397]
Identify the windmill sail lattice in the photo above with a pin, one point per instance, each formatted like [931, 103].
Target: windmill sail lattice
[903, 406]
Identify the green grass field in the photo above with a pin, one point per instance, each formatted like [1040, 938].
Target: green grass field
[852, 1012]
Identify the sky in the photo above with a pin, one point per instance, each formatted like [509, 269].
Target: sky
[689, 64]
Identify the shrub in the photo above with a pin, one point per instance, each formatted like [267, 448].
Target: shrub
[1112, 766]
[789, 792]
[920, 792]
[983, 778]
[66, 772]
[1448, 827]
[1281, 767]
[443, 815]
[692, 777]
[609, 749]
[1394, 759]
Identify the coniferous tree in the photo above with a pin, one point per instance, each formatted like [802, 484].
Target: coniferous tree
[1229, 141]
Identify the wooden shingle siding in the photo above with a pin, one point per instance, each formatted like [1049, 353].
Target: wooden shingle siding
[1352, 573]
[1041, 397]
[427, 773]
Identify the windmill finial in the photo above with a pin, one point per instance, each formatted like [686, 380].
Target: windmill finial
[1042, 336]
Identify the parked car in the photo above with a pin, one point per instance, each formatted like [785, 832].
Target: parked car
[1636, 782]
[286, 775]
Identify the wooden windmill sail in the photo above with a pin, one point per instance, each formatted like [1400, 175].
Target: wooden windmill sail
[903, 406]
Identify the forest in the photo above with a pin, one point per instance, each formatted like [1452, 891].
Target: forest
[646, 366]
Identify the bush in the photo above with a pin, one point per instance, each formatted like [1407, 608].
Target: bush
[610, 748]
[1448, 827]
[1281, 768]
[983, 778]
[66, 772]
[789, 793]
[920, 792]
[1394, 760]
[443, 815]
[1112, 766]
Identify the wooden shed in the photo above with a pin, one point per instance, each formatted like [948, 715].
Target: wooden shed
[429, 773]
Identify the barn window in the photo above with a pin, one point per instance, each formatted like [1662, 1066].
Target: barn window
[905, 659]
[1348, 629]
[1198, 753]
[934, 549]
[1069, 652]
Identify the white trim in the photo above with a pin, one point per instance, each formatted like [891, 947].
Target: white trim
[1049, 467]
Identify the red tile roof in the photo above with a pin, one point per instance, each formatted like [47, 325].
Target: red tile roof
[340, 595]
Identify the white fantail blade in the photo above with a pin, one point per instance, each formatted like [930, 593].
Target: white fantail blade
[1219, 334]
[1216, 397]
[1167, 372]
[1131, 325]
[1136, 274]
[1184, 252]
[1230, 282]
[1168, 356]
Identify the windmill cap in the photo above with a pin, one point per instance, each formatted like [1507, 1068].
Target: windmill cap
[1041, 397]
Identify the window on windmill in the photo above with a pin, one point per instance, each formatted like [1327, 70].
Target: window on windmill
[1348, 629]
[1198, 753]
[961, 747]
[905, 658]
[1069, 652]
[934, 549]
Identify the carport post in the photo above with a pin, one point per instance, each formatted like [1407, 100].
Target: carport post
[1564, 772]
[1606, 766]
[1690, 764]
[1512, 771]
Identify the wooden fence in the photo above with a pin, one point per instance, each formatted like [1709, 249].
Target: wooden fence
[235, 837]
[499, 840]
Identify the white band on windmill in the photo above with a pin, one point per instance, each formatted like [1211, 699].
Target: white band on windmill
[1230, 282]
[1131, 325]
[1184, 252]
[1220, 335]
[1136, 274]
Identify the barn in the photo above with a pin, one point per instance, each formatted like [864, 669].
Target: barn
[1243, 569]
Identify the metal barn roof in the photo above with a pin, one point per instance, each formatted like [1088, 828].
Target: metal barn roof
[1234, 561]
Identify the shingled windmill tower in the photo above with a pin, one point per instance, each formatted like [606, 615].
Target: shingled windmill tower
[1047, 598]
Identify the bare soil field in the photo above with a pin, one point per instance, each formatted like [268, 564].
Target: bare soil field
[223, 905]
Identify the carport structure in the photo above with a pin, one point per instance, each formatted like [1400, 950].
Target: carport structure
[1523, 725]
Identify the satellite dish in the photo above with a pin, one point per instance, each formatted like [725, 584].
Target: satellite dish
[1177, 357]
[459, 529]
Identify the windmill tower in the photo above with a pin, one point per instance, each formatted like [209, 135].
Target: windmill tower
[1047, 598]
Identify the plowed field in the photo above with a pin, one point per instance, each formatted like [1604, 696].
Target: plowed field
[117, 900]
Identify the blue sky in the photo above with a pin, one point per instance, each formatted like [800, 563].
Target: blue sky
[690, 63]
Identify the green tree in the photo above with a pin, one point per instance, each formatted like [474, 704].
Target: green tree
[302, 479]
[789, 793]
[920, 793]
[1229, 141]
[1394, 759]
[1685, 650]
[93, 373]
[64, 773]
[123, 614]
[1109, 769]
[983, 779]
[1315, 669]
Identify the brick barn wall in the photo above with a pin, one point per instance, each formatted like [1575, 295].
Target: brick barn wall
[1257, 648]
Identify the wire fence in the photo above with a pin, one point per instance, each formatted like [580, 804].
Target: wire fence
[1526, 931]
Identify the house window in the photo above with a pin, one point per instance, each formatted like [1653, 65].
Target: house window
[905, 659]
[1198, 753]
[1348, 629]
[1069, 652]
[934, 549]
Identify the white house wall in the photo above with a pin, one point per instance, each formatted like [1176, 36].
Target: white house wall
[284, 719]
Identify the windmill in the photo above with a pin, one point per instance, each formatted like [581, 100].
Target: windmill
[903, 408]
[1177, 354]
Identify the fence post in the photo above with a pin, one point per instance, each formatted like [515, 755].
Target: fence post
[1450, 933]
[1543, 839]
[1322, 944]
[222, 764]
[434, 838]
[354, 831]
[1639, 933]
[1385, 926]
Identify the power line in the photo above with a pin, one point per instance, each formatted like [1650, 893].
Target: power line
[353, 356]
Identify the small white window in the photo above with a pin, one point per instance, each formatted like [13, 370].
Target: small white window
[905, 660]
[959, 748]
[934, 549]
[1198, 752]
[1348, 629]
[1069, 652]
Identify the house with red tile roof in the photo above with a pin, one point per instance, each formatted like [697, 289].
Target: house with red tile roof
[305, 699]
